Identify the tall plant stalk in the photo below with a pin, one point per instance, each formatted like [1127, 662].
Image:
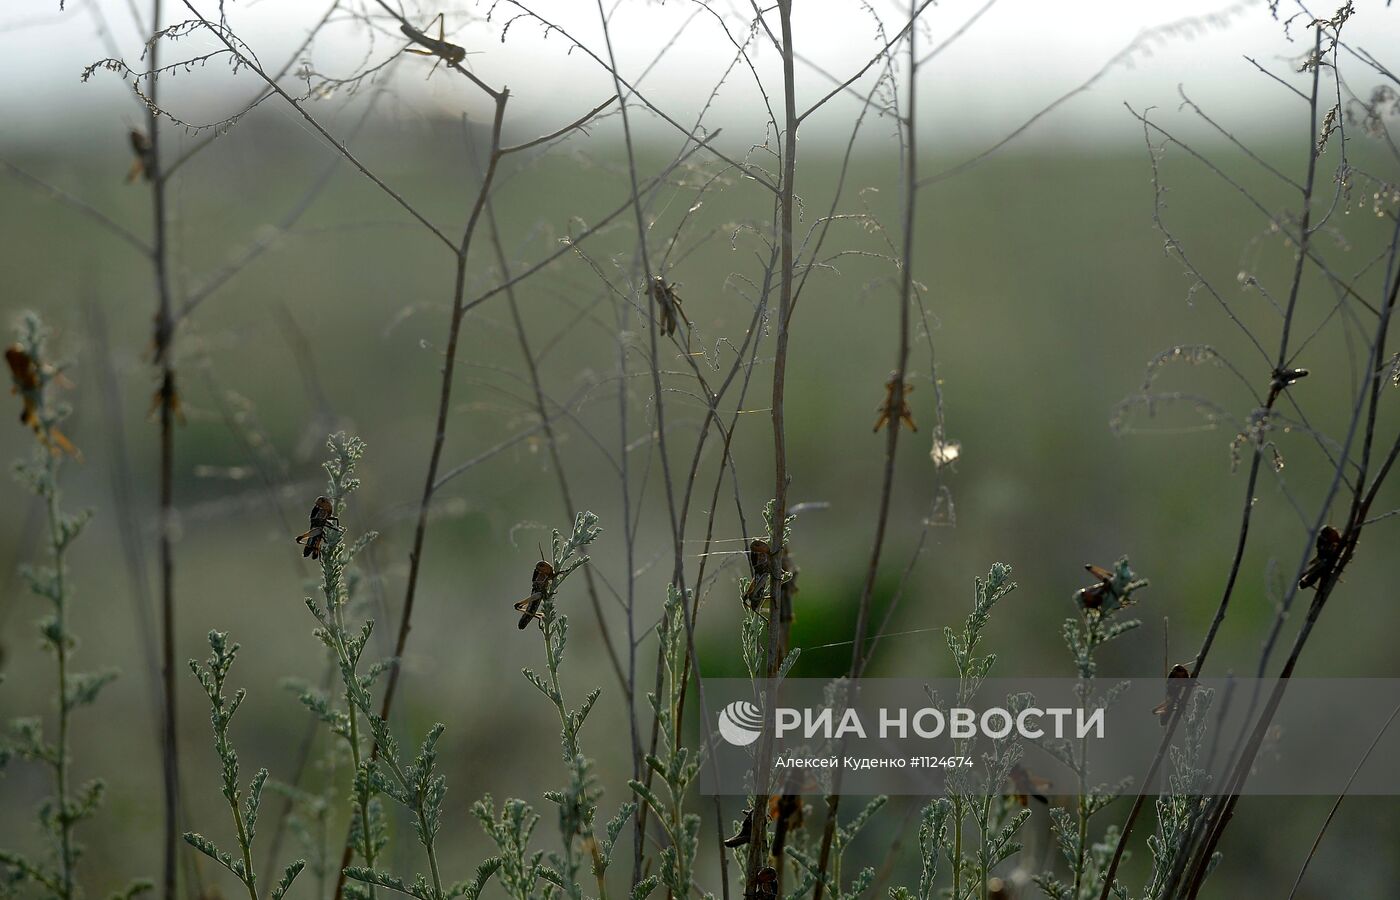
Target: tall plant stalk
[167, 399]
[34, 378]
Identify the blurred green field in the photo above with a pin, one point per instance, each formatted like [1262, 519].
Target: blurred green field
[1047, 290]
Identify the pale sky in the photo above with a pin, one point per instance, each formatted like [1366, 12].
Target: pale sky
[1018, 56]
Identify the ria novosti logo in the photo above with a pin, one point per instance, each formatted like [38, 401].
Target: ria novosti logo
[740, 723]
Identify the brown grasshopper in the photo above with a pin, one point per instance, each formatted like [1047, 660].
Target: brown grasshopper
[745, 832]
[28, 377]
[669, 304]
[760, 571]
[1028, 787]
[1176, 691]
[529, 608]
[444, 50]
[143, 166]
[1329, 547]
[166, 395]
[766, 884]
[895, 407]
[1092, 597]
[322, 517]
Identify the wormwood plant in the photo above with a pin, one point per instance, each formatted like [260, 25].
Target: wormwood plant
[1181, 808]
[360, 729]
[1099, 621]
[243, 805]
[308, 818]
[380, 770]
[55, 874]
[577, 802]
[994, 817]
[677, 765]
[842, 836]
[368, 834]
[975, 800]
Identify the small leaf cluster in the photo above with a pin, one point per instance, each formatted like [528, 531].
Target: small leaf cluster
[841, 838]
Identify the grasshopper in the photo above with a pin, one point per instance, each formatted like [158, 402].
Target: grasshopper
[895, 404]
[144, 163]
[444, 50]
[322, 517]
[529, 608]
[667, 301]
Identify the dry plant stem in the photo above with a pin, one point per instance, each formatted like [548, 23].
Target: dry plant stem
[1332, 813]
[1360, 508]
[678, 570]
[1254, 466]
[420, 531]
[629, 540]
[293, 58]
[339, 146]
[542, 409]
[164, 327]
[569, 245]
[906, 289]
[758, 833]
[706, 141]
[1222, 808]
[61, 648]
[712, 400]
[81, 206]
[691, 664]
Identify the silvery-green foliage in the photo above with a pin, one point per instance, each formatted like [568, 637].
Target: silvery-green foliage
[1179, 810]
[577, 802]
[53, 875]
[519, 868]
[995, 818]
[1084, 634]
[933, 835]
[971, 667]
[841, 839]
[244, 806]
[676, 765]
[368, 829]
[416, 785]
[308, 818]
